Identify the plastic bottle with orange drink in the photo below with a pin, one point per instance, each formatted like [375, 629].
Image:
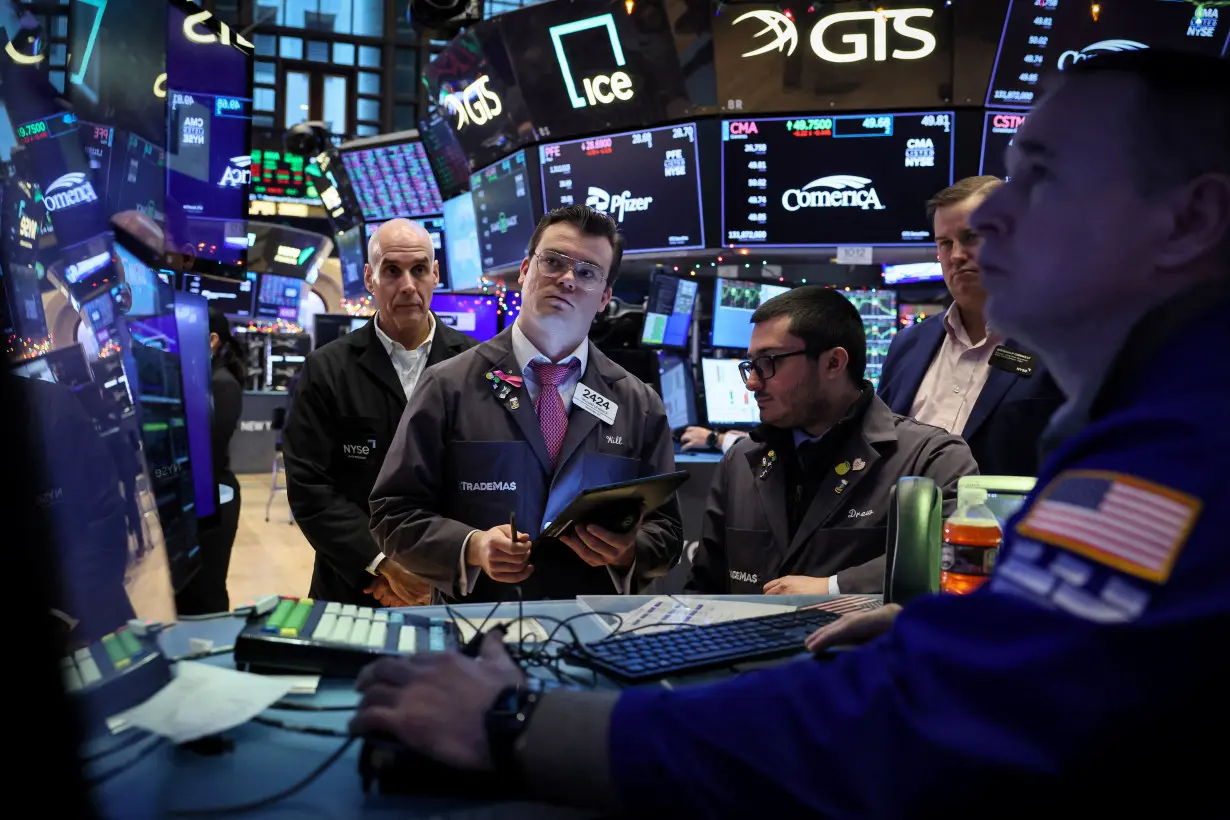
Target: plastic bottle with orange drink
[971, 544]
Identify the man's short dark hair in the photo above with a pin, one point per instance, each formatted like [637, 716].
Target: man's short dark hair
[589, 222]
[1182, 122]
[823, 319]
[960, 191]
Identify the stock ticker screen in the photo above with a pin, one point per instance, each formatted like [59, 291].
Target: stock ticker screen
[234, 297]
[461, 239]
[649, 181]
[1048, 35]
[448, 161]
[854, 179]
[434, 225]
[129, 170]
[503, 211]
[734, 302]
[278, 297]
[878, 310]
[281, 177]
[392, 181]
[352, 255]
[668, 316]
[998, 130]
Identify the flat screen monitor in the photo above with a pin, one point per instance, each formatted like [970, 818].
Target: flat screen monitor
[998, 131]
[678, 389]
[908, 272]
[504, 211]
[734, 302]
[448, 161]
[476, 316]
[668, 316]
[130, 172]
[392, 178]
[852, 179]
[649, 181]
[278, 297]
[434, 225]
[461, 243]
[352, 255]
[728, 402]
[1040, 37]
[359, 322]
[878, 310]
[278, 176]
[234, 297]
[911, 313]
[192, 323]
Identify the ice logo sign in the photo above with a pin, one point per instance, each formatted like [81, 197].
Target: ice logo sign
[238, 173]
[1102, 46]
[602, 89]
[69, 190]
[837, 191]
[618, 204]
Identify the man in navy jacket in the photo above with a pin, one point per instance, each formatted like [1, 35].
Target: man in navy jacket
[955, 372]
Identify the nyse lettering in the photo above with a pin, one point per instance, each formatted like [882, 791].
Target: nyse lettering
[357, 450]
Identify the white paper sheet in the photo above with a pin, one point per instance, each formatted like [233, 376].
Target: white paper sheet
[665, 612]
[517, 630]
[203, 700]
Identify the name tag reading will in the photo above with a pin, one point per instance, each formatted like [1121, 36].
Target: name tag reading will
[595, 404]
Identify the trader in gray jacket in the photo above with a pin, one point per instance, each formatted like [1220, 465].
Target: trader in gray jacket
[801, 506]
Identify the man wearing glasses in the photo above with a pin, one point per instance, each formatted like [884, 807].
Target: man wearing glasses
[801, 506]
[522, 424]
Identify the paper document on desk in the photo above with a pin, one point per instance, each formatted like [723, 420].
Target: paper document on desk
[517, 630]
[665, 612]
[203, 700]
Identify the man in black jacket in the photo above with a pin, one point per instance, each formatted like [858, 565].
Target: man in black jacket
[345, 411]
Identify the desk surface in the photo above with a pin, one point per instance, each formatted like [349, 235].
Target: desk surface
[152, 778]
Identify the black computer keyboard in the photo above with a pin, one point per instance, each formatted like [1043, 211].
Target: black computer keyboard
[639, 658]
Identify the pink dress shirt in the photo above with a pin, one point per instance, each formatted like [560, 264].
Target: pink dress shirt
[955, 378]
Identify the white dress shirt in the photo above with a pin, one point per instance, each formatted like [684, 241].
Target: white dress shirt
[955, 379]
[527, 355]
[409, 366]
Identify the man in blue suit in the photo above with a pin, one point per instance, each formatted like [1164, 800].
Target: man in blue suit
[955, 372]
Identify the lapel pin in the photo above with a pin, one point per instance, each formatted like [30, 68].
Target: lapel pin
[841, 486]
[858, 464]
[766, 464]
[842, 468]
[514, 404]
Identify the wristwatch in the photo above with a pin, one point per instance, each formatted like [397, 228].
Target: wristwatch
[712, 440]
[506, 721]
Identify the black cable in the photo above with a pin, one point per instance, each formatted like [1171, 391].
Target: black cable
[208, 653]
[242, 612]
[291, 706]
[99, 779]
[256, 805]
[299, 727]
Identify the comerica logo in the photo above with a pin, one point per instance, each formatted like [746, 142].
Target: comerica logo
[1073, 57]
[618, 204]
[69, 190]
[238, 173]
[838, 191]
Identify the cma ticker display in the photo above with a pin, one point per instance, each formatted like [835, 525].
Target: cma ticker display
[857, 179]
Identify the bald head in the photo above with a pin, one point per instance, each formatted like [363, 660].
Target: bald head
[401, 274]
[392, 233]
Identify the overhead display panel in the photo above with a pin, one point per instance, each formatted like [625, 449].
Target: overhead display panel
[858, 179]
[391, 177]
[649, 181]
[1047, 35]
[449, 164]
[998, 130]
[503, 211]
[812, 56]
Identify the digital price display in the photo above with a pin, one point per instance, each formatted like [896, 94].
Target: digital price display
[448, 161]
[998, 131]
[649, 181]
[391, 181]
[475, 316]
[854, 179]
[461, 239]
[734, 302]
[1047, 35]
[668, 315]
[278, 297]
[878, 310]
[129, 172]
[234, 297]
[434, 225]
[282, 177]
[503, 211]
[352, 255]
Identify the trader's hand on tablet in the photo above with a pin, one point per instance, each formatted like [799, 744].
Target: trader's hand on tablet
[497, 555]
[856, 628]
[599, 547]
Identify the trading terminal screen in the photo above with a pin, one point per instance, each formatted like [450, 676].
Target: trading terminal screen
[668, 316]
[908, 272]
[734, 302]
[503, 210]
[1040, 36]
[853, 179]
[678, 390]
[728, 402]
[434, 225]
[392, 181]
[475, 316]
[281, 177]
[352, 255]
[998, 131]
[448, 161]
[278, 297]
[878, 310]
[461, 243]
[234, 297]
[649, 181]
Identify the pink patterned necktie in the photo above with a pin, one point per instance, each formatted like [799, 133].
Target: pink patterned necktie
[552, 418]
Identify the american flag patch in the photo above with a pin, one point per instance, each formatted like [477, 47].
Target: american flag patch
[844, 604]
[1132, 525]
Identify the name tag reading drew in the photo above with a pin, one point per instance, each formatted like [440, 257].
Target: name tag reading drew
[596, 404]
[1013, 361]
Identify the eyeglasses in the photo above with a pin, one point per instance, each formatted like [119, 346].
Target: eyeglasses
[765, 366]
[554, 265]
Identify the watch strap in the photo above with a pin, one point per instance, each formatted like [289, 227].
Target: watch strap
[506, 722]
[712, 439]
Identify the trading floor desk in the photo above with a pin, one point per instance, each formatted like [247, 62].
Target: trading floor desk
[152, 778]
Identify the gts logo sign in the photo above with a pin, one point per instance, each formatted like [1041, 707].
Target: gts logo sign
[359, 452]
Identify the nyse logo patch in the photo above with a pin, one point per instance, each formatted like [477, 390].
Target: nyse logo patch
[614, 439]
[487, 486]
[745, 577]
[359, 452]
[255, 426]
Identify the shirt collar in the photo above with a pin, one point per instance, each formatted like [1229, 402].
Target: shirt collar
[956, 328]
[525, 352]
[801, 437]
[390, 345]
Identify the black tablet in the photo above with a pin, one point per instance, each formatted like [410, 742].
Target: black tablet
[616, 507]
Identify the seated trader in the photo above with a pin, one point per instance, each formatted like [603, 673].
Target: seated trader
[954, 371]
[1082, 668]
[521, 424]
[701, 438]
[801, 506]
[345, 410]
